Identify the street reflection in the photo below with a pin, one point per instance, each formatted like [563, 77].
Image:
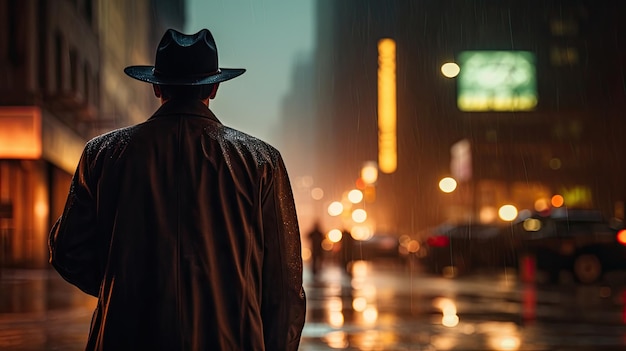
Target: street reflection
[363, 294]
[448, 309]
[371, 306]
[352, 299]
[41, 311]
[501, 336]
[38, 292]
[336, 339]
[335, 312]
[351, 309]
[529, 303]
[374, 306]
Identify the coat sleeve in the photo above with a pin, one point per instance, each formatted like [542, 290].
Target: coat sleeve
[72, 240]
[283, 297]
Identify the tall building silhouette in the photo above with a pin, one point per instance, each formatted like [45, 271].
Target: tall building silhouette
[61, 83]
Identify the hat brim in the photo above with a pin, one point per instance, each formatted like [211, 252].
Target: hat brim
[146, 74]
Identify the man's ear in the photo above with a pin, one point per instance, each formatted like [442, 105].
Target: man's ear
[214, 91]
[157, 91]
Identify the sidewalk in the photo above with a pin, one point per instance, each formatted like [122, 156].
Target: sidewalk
[34, 291]
[39, 311]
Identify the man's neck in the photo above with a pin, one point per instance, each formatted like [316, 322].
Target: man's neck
[204, 101]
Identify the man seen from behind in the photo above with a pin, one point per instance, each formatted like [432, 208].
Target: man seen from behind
[183, 228]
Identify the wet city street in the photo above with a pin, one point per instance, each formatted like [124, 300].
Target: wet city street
[379, 306]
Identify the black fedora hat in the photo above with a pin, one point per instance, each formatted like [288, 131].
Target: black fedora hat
[183, 59]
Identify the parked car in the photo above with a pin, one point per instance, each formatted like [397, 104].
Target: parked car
[379, 246]
[463, 248]
[581, 242]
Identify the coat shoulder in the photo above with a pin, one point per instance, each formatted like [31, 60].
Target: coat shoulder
[116, 137]
[252, 144]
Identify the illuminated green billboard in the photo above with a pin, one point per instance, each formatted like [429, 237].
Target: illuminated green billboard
[497, 81]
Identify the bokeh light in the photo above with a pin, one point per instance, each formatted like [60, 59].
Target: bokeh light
[449, 312]
[557, 201]
[621, 236]
[334, 307]
[488, 214]
[359, 304]
[327, 244]
[369, 172]
[447, 184]
[359, 215]
[541, 205]
[336, 339]
[361, 232]
[370, 315]
[335, 208]
[531, 225]
[317, 193]
[335, 235]
[355, 196]
[555, 163]
[507, 212]
[450, 69]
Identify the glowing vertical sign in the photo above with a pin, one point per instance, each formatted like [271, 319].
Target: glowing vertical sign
[387, 140]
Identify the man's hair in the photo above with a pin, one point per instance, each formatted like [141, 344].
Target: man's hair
[197, 92]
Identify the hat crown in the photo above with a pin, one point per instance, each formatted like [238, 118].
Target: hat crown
[182, 55]
[184, 59]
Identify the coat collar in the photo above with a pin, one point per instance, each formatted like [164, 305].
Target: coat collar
[185, 107]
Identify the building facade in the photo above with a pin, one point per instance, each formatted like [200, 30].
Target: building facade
[62, 83]
[569, 143]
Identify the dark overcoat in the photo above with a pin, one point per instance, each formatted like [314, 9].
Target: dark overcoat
[187, 233]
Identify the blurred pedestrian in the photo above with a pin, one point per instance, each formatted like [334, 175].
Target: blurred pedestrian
[316, 238]
[185, 229]
[347, 250]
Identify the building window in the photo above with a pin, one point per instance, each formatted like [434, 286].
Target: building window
[564, 56]
[15, 35]
[564, 27]
[88, 10]
[58, 58]
[87, 84]
[74, 70]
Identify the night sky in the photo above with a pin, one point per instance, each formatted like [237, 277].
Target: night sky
[264, 37]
